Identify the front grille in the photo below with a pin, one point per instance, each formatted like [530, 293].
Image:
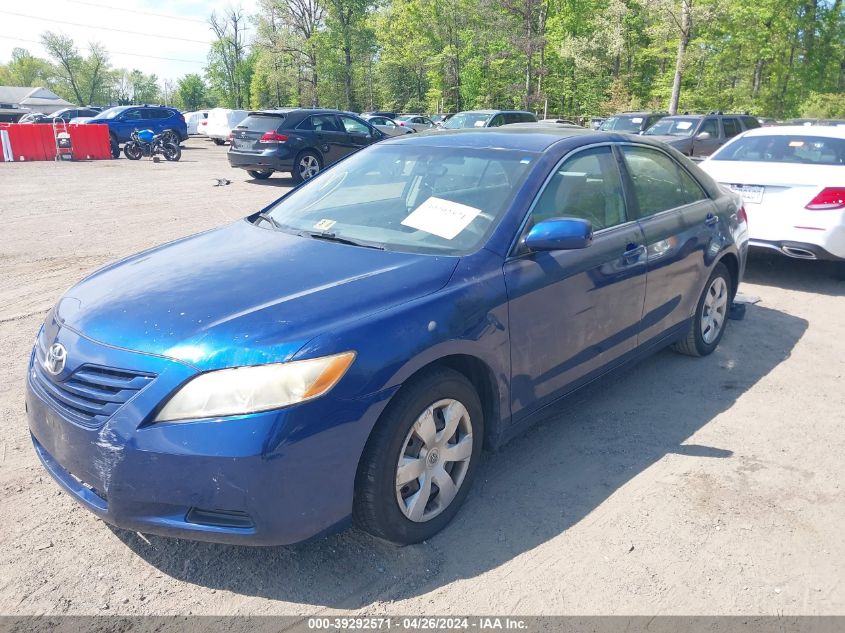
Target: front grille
[91, 394]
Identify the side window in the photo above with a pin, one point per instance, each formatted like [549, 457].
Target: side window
[511, 117]
[731, 127]
[132, 115]
[354, 127]
[526, 117]
[498, 120]
[659, 182]
[750, 122]
[586, 186]
[325, 123]
[711, 126]
[306, 124]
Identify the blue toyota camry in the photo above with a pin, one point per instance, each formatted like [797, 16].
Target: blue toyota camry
[344, 354]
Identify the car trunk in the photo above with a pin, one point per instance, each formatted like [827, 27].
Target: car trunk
[246, 136]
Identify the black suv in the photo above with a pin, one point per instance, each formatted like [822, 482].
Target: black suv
[700, 134]
[631, 122]
[298, 140]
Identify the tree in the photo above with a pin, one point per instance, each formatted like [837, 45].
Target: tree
[192, 92]
[63, 51]
[345, 17]
[26, 70]
[228, 56]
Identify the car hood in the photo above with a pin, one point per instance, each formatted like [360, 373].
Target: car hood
[674, 141]
[242, 294]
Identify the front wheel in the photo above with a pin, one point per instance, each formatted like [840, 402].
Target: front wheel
[307, 166]
[171, 151]
[711, 315]
[133, 151]
[419, 463]
[114, 146]
[263, 174]
[218, 141]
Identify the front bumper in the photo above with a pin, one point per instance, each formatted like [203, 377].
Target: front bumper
[270, 478]
[277, 160]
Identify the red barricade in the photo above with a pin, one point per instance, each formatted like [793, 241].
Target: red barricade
[38, 141]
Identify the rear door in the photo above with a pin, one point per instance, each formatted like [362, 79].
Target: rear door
[680, 223]
[330, 138]
[572, 312]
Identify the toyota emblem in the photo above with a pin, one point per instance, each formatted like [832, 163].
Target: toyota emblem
[55, 360]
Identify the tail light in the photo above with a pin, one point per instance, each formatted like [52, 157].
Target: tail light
[828, 198]
[402, 123]
[231, 137]
[272, 137]
[742, 216]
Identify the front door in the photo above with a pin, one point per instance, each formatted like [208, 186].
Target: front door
[572, 312]
[358, 134]
[679, 223]
[706, 146]
[332, 139]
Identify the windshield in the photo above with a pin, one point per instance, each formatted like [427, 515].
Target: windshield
[673, 127]
[261, 123]
[110, 113]
[467, 119]
[808, 150]
[405, 117]
[622, 124]
[413, 198]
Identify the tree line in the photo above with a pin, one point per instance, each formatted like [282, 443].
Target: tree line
[778, 58]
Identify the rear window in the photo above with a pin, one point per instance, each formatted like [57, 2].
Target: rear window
[809, 150]
[261, 124]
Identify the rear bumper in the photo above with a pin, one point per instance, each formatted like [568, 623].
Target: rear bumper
[279, 160]
[796, 250]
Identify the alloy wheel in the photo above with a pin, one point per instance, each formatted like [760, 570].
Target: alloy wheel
[715, 310]
[309, 166]
[434, 460]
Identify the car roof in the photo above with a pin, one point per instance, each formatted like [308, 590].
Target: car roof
[514, 137]
[638, 113]
[804, 130]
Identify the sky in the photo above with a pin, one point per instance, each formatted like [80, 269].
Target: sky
[173, 29]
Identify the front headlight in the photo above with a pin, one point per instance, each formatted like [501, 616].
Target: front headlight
[243, 390]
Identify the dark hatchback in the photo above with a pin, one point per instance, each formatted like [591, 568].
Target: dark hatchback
[300, 141]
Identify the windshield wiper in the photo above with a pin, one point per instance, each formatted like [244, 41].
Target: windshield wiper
[271, 220]
[331, 237]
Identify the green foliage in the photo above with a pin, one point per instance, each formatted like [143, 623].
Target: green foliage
[824, 106]
[192, 93]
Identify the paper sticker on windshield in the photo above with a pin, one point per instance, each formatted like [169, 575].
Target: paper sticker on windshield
[683, 125]
[637, 119]
[324, 225]
[796, 143]
[479, 123]
[442, 218]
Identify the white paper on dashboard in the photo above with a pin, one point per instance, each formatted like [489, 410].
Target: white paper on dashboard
[442, 218]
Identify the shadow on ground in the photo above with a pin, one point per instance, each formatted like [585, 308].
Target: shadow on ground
[771, 269]
[530, 491]
[274, 181]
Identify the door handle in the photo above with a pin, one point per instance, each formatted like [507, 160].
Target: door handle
[711, 219]
[634, 252]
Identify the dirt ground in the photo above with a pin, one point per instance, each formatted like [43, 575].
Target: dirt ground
[683, 486]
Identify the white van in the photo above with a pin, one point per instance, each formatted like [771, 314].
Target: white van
[192, 119]
[221, 121]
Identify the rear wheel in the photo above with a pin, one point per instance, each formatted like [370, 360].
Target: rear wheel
[263, 174]
[306, 167]
[711, 315]
[419, 463]
[115, 147]
[133, 151]
[218, 141]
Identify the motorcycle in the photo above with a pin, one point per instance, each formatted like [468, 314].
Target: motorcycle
[146, 143]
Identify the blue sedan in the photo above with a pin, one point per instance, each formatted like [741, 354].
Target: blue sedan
[344, 354]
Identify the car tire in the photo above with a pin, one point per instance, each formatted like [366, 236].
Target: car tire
[260, 175]
[133, 151]
[306, 166]
[711, 315]
[218, 141]
[115, 146]
[403, 508]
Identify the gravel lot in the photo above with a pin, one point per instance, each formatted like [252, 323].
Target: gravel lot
[683, 486]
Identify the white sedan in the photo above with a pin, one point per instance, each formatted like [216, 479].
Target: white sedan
[792, 180]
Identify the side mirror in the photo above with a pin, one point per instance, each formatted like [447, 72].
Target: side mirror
[558, 234]
[703, 136]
